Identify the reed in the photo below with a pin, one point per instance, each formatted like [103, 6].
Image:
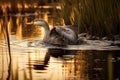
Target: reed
[66, 11]
[94, 17]
[7, 34]
[8, 43]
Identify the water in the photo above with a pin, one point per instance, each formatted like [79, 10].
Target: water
[59, 64]
[34, 60]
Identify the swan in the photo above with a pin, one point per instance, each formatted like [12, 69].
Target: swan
[59, 35]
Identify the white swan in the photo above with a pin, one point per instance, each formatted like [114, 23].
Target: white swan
[59, 35]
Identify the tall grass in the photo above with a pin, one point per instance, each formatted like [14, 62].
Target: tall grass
[66, 10]
[101, 17]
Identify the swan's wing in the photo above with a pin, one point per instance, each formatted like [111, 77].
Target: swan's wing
[67, 33]
[56, 39]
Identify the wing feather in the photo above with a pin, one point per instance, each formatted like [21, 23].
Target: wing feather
[67, 33]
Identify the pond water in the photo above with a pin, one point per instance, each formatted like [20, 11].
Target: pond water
[33, 63]
[33, 60]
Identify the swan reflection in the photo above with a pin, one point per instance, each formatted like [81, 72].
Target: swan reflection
[56, 53]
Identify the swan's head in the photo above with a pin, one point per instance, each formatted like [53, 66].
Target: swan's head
[38, 22]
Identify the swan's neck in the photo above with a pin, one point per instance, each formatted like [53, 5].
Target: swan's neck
[46, 31]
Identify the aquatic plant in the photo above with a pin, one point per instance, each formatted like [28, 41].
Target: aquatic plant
[67, 9]
[99, 18]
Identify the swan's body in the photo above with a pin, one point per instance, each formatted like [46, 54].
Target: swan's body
[59, 35]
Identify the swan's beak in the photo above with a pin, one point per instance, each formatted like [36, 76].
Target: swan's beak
[30, 23]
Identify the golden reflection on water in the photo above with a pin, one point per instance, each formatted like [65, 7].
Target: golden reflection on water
[1, 29]
[54, 64]
[0, 26]
[31, 66]
[38, 64]
[19, 28]
[10, 25]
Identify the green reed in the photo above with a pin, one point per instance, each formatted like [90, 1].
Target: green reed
[66, 10]
[94, 17]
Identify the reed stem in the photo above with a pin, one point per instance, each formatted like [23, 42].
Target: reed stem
[7, 34]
